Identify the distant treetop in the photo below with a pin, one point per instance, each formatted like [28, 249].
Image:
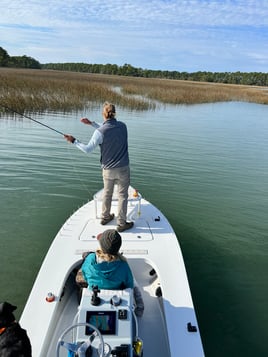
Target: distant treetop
[246, 78]
[17, 61]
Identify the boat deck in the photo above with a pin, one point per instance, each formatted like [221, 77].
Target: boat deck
[152, 325]
[150, 244]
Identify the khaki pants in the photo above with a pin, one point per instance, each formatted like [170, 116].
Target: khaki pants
[121, 177]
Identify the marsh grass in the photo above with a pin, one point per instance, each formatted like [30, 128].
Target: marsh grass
[38, 91]
[45, 90]
[187, 92]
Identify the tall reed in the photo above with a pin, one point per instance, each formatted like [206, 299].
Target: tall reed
[42, 90]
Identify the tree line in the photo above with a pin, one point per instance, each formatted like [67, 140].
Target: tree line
[245, 78]
[17, 61]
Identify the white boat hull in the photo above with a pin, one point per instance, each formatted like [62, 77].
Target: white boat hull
[150, 244]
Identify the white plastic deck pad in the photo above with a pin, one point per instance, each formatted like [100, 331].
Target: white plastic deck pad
[140, 231]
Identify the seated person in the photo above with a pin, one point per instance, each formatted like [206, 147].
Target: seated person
[14, 340]
[108, 269]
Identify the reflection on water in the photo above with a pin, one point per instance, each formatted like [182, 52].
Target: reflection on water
[204, 166]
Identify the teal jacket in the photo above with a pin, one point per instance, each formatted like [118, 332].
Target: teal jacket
[107, 275]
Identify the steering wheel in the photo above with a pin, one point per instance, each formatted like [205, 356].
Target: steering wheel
[81, 347]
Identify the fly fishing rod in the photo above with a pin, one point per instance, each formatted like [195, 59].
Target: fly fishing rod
[28, 117]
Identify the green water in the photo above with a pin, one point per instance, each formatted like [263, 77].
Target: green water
[204, 166]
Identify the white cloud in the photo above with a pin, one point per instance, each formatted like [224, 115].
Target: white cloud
[182, 35]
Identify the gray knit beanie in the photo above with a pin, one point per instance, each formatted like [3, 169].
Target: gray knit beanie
[110, 241]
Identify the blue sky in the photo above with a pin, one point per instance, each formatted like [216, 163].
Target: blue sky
[181, 35]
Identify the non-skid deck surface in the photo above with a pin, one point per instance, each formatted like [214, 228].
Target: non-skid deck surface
[151, 324]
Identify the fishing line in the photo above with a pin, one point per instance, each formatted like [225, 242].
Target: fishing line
[74, 166]
[28, 117]
[76, 170]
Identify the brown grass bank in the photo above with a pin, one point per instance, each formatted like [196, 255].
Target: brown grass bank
[27, 90]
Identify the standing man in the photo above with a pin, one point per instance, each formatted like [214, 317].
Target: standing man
[112, 137]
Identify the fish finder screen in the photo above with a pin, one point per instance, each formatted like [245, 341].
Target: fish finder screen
[104, 321]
